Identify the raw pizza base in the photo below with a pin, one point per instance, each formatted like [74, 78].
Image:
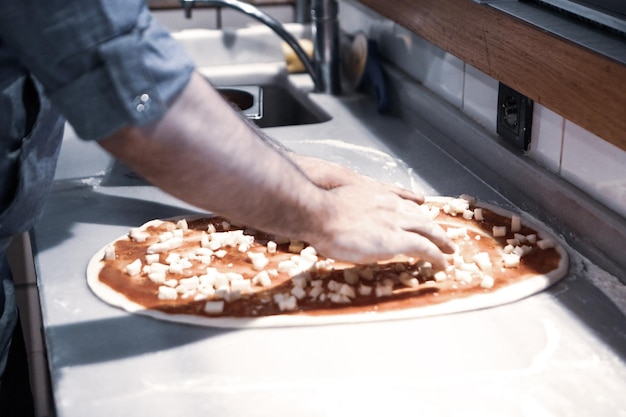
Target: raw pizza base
[500, 296]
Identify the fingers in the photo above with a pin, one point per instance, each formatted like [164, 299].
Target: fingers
[407, 195]
[413, 219]
[423, 248]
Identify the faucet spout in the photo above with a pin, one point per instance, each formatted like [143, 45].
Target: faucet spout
[326, 44]
[270, 22]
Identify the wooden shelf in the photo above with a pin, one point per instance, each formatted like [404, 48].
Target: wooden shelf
[578, 84]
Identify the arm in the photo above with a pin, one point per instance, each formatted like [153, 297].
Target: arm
[204, 153]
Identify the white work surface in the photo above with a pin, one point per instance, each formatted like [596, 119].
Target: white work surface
[559, 353]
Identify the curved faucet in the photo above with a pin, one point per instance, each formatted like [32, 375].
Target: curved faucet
[325, 75]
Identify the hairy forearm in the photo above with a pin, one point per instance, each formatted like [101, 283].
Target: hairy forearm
[204, 153]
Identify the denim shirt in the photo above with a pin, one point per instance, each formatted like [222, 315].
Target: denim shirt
[101, 64]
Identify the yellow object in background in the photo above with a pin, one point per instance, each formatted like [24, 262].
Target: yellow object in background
[294, 64]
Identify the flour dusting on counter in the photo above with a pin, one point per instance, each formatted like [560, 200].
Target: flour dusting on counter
[362, 159]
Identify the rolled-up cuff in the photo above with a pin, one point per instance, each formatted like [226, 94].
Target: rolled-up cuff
[141, 73]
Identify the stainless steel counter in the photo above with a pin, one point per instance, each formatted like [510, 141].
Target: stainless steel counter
[559, 353]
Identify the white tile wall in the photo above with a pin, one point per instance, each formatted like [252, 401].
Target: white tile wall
[480, 97]
[594, 165]
[546, 143]
[587, 161]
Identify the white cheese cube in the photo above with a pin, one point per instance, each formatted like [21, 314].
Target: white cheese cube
[513, 242]
[175, 242]
[214, 307]
[458, 206]
[288, 303]
[478, 214]
[338, 298]
[158, 247]
[233, 276]
[308, 251]
[152, 258]
[316, 292]
[109, 253]
[271, 246]
[470, 199]
[520, 238]
[498, 231]
[532, 239]
[468, 214]
[518, 251]
[516, 223]
[172, 283]
[407, 280]
[157, 277]
[134, 267]
[190, 283]
[456, 232]
[182, 225]
[242, 285]
[383, 289]
[205, 240]
[365, 290]
[483, 261]
[172, 258]
[347, 290]
[299, 281]
[220, 280]
[138, 235]
[298, 292]
[487, 281]
[511, 260]
[324, 265]
[544, 244]
[469, 267]
[333, 285]
[222, 292]
[285, 266]
[263, 279]
[165, 236]
[440, 276]
[463, 276]
[167, 293]
[232, 296]
[258, 259]
[207, 291]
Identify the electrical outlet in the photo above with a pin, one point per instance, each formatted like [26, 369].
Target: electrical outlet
[515, 117]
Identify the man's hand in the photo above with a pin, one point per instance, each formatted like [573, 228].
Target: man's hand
[365, 225]
[385, 220]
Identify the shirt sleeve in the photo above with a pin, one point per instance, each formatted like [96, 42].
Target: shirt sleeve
[106, 64]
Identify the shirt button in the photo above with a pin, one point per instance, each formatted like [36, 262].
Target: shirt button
[142, 102]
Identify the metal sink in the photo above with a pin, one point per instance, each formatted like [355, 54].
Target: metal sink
[273, 105]
[281, 107]
[249, 58]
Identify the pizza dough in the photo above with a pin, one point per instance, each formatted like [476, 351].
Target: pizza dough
[205, 271]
